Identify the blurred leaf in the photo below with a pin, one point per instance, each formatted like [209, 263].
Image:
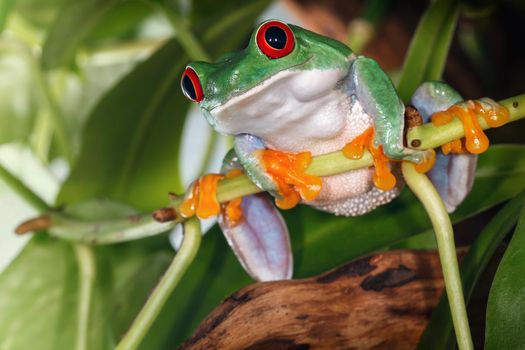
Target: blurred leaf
[38, 293]
[39, 13]
[132, 138]
[120, 20]
[73, 23]
[5, 9]
[322, 241]
[506, 304]
[428, 49]
[439, 332]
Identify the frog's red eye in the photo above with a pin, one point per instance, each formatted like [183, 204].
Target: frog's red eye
[275, 39]
[191, 85]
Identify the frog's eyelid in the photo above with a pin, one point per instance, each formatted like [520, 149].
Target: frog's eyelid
[276, 48]
[191, 85]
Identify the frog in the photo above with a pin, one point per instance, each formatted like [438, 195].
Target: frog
[290, 95]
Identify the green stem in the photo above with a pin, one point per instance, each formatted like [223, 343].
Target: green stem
[231, 188]
[23, 191]
[86, 275]
[183, 33]
[438, 334]
[429, 197]
[430, 136]
[155, 303]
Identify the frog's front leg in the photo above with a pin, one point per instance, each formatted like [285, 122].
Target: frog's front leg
[281, 174]
[256, 231]
[375, 92]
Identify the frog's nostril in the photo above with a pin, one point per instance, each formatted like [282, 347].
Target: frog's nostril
[191, 86]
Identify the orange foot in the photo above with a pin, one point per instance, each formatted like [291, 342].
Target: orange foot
[288, 172]
[475, 139]
[202, 199]
[383, 178]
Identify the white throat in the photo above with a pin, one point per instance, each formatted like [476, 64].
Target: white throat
[294, 111]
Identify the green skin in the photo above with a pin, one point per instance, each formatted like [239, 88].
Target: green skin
[236, 73]
[320, 91]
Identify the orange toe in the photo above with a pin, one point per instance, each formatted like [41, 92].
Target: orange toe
[288, 172]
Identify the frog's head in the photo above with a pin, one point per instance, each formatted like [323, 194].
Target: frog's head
[265, 75]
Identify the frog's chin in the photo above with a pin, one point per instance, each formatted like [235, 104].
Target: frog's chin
[284, 99]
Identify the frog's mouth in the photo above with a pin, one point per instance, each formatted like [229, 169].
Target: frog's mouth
[281, 100]
[264, 82]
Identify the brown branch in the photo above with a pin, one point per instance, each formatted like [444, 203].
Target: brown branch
[382, 301]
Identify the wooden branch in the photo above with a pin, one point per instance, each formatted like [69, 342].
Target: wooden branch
[379, 302]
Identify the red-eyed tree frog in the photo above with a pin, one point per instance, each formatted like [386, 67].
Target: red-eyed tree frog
[293, 94]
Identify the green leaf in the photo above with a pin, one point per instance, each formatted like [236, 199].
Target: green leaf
[38, 293]
[5, 9]
[439, 332]
[428, 50]
[322, 241]
[506, 304]
[131, 141]
[73, 23]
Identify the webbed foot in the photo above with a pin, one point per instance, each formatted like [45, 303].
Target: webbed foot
[453, 175]
[383, 177]
[288, 171]
[476, 141]
[256, 231]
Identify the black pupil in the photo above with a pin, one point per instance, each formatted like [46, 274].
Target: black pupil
[275, 37]
[188, 87]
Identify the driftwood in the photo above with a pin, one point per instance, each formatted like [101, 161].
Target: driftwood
[379, 302]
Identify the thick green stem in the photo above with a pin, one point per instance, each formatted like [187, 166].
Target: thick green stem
[430, 136]
[155, 303]
[86, 276]
[429, 197]
[231, 188]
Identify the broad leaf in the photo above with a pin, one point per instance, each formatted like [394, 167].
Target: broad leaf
[506, 304]
[131, 141]
[428, 50]
[73, 23]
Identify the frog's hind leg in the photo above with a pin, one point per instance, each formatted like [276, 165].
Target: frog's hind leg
[256, 231]
[452, 175]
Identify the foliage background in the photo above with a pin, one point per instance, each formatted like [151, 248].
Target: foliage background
[91, 116]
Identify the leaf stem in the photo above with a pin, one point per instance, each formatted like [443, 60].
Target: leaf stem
[438, 333]
[184, 35]
[23, 191]
[429, 197]
[86, 276]
[155, 303]
[323, 165]
[430, 136]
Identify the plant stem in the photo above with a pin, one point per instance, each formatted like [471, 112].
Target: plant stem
[431, 136]
[429, 197]
[155, 303]
[231, 188]
[23, 191]
[86, 276]
[185, 36]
